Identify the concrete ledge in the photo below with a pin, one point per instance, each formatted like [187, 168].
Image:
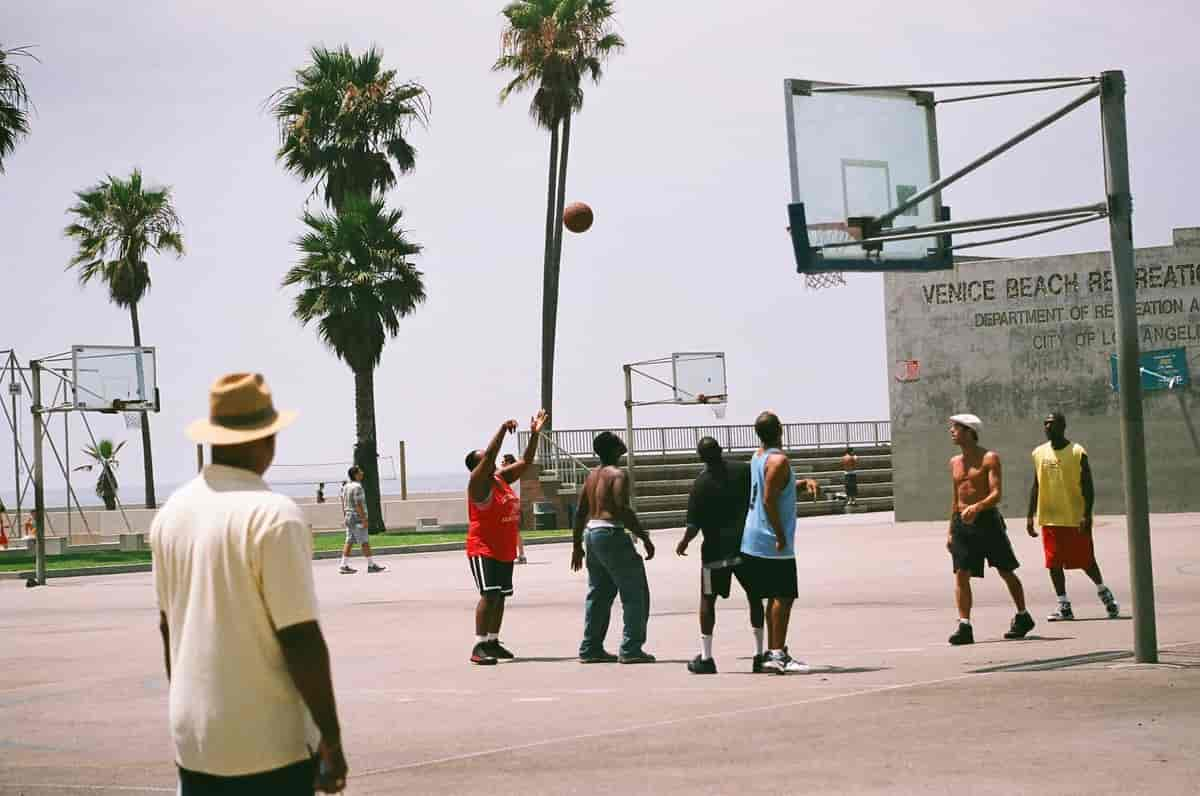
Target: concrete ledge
[324, 555]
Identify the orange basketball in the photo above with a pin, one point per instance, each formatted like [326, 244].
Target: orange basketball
[578, 217]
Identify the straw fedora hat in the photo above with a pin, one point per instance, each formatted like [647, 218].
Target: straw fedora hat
[240, 410]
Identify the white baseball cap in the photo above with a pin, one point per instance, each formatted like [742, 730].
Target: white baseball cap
[970, 421]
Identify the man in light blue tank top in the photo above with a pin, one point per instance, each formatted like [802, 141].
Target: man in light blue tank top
[768, 544]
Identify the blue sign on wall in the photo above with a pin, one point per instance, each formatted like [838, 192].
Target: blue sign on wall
[1164, 369]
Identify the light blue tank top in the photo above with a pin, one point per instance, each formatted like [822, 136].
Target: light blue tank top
[759, 539]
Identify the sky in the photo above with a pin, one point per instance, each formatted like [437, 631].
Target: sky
[680, 150]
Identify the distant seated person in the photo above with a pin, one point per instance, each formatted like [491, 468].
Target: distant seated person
[812, 488]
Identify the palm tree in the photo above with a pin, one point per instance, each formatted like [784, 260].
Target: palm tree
[104, 454]
[117, 223]
[551, 46]
[357, 283]
[14, 101]
[344, 123]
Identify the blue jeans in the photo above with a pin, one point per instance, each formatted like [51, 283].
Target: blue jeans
[614, 567]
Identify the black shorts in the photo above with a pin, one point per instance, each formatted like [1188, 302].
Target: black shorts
[491, 575]
[716, 580]
[769, 577]
[986, 538]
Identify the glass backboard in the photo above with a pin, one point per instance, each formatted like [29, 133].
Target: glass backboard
[854, 156]
[696, 374]
[114, 378]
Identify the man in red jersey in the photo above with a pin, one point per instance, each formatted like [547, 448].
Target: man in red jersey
[495, 514]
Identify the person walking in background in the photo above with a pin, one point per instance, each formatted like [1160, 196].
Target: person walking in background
[850, 475]
[354, 507]
[250, 693]
[1062, 499]
[321, 493]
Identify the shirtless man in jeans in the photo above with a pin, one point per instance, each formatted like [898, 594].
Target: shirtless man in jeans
[977, 530]
[613, 564]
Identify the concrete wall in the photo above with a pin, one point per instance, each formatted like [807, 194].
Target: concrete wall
[396, 514]
[1010, 341]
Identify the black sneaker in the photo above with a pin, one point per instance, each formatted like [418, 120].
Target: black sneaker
[757, 665]
[699, 665]
[1021, 624]
[964, 635]
[481, 655]
[498, 651]
[600, 657]
[376, 568]
[641, 657]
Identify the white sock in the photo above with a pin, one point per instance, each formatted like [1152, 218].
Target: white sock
[706, 647]
[370, 561]
[480, 639]
[345, 562]
[966, 622]
[1063, 599]
[493, 636]
[758, 640]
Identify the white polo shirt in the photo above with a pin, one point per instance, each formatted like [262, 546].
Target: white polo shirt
[232, 565]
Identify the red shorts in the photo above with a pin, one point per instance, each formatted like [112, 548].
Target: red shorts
[1067, 548]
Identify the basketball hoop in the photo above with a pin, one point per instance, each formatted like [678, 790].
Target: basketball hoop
[819, 235]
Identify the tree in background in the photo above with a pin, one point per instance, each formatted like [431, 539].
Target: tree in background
[344, 125]
[117, 223]
[356, 283]
[104, 454]
[14, 101]
[550, 46]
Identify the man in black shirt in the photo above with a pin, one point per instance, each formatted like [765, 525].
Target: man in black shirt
[717, 508]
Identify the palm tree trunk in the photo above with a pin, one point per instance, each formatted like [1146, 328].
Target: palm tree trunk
[147, 455]
[550, 280]
[550, 297]
[366, 453]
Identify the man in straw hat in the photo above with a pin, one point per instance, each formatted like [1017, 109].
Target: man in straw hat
[251, 696]
[977, 531]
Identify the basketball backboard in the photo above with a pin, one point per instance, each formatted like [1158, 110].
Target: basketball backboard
[854, 156]
[114, 378]
[698, 374]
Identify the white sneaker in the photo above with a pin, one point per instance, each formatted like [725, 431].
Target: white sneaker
[793, 666]
[774, 663]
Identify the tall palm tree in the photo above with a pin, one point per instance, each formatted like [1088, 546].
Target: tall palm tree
[117, 223]
[357, 283]
[550, 46]
[14, 101]
[344, 123]
[104, 454]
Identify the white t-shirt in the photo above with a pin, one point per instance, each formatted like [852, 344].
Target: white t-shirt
[232, 565]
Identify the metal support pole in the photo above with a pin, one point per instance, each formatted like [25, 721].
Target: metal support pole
[39, 497]
[403, 471]
[16, 443]
[629, 436]
[1133, 433]
[67, 467]
[199, 458]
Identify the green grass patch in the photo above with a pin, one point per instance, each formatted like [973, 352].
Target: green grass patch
[323, 543]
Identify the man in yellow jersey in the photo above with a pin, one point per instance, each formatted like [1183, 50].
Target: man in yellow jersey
[1062, 500]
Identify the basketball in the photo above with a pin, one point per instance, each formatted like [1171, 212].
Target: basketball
[577, 217]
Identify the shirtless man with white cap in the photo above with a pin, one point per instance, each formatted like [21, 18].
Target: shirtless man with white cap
[977, 531]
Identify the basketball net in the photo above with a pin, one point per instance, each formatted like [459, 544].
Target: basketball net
[133, 419]
[818, 235]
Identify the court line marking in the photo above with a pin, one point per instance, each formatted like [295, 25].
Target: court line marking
[97, 788]
[684, 720]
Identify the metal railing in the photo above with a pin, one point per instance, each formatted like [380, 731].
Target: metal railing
[683, 439]
[558, 462]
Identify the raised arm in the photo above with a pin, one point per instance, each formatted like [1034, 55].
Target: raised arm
[480, 485]
[1089, 494]
[514, 471]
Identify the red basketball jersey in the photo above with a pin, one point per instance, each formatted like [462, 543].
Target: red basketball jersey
[494, 525]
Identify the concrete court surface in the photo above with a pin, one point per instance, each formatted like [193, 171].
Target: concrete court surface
[893, 710]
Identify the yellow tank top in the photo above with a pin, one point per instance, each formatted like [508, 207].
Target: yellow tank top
[1060, 485]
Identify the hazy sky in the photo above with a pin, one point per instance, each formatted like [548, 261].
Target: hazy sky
[681, 151]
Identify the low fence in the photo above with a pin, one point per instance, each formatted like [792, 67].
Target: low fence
[683, 439]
